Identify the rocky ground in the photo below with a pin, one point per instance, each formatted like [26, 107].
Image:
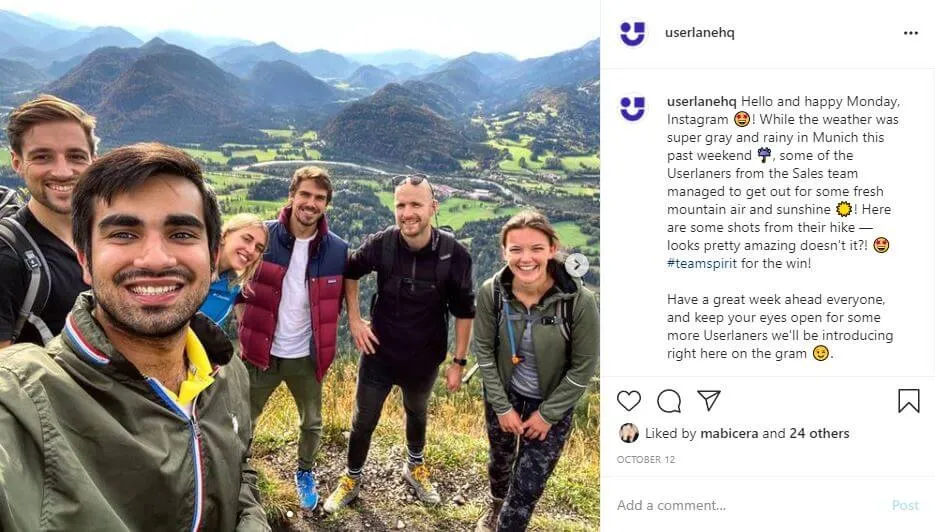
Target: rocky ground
[387, 502]
[456, 455]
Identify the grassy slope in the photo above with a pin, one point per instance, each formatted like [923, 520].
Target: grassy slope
[571, 188]
[261, 155]
[521, 148]
[517, 150]
[593, 162]
[456, 448]
[211, 156]
[279, 133]
[219, 180]
[458, 211]
[571, 236]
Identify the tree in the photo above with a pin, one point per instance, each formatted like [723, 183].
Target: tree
[553, 163]
[238, 161]
[522, 162]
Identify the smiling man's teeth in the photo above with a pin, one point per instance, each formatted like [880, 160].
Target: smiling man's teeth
[153, 290]
[61, 188]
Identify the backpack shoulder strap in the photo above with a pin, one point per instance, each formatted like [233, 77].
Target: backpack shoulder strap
[565, 314]
[387, 255]
[38, 287]
[566, 309]
[497, 303]
[385, 268]
[497, 316]
[446, 246]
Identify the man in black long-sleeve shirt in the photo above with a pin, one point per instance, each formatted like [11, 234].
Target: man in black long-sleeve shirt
[423, 274]
[51, 143]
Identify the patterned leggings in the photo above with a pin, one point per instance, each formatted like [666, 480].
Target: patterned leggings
[519, 470]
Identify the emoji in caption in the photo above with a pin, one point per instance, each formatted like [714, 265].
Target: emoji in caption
[821, 353]
[764, 153]
[742, 119]
[881, 244]
[844, 209]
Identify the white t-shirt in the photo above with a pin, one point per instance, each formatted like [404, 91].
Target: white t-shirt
[294, 325]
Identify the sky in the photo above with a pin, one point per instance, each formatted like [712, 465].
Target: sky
[521, 28]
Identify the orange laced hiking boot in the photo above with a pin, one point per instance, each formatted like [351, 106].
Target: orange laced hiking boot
[348, 489]
[418, 477]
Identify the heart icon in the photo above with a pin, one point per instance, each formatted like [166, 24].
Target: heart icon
[629, 400]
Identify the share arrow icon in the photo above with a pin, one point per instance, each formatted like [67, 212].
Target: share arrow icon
[710, 397]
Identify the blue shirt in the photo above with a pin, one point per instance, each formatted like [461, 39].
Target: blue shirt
[221, 297]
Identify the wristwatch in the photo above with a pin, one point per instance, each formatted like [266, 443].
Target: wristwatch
[459, 361]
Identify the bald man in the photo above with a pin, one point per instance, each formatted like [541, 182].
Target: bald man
[422, 275]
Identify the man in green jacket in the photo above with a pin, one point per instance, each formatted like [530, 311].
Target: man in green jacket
[136, 416]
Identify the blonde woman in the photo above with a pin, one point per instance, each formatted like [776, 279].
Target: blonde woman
[536, 339]
[243, 240]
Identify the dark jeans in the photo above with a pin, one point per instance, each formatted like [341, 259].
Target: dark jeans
[518, 473]
[374, 382]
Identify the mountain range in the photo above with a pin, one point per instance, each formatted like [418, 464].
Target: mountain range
[16, 76]
[157, 91]
[391, 125]
[416, 59]
[319, 63]
[40, 45]
[413, 108]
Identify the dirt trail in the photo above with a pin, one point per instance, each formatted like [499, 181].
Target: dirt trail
[386, 501]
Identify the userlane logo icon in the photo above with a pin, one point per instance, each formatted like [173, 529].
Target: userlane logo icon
[632, 108]
[638, 28]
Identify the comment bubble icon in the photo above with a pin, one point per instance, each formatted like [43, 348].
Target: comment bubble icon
[669, 401]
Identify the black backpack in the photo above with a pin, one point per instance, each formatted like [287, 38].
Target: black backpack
[444, 244]
[15, 236]
[563, 318]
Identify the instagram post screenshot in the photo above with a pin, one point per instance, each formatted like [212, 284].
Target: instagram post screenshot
[767, 349]
[337, 266]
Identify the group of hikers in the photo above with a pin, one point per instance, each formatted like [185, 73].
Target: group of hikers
[123, 405]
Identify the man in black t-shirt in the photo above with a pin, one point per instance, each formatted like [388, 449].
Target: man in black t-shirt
[422, 275]
[51, 142]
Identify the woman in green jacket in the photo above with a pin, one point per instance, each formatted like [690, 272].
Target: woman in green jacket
[536, 338]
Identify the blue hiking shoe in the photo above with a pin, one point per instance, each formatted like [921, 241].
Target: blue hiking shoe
[306, 488]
